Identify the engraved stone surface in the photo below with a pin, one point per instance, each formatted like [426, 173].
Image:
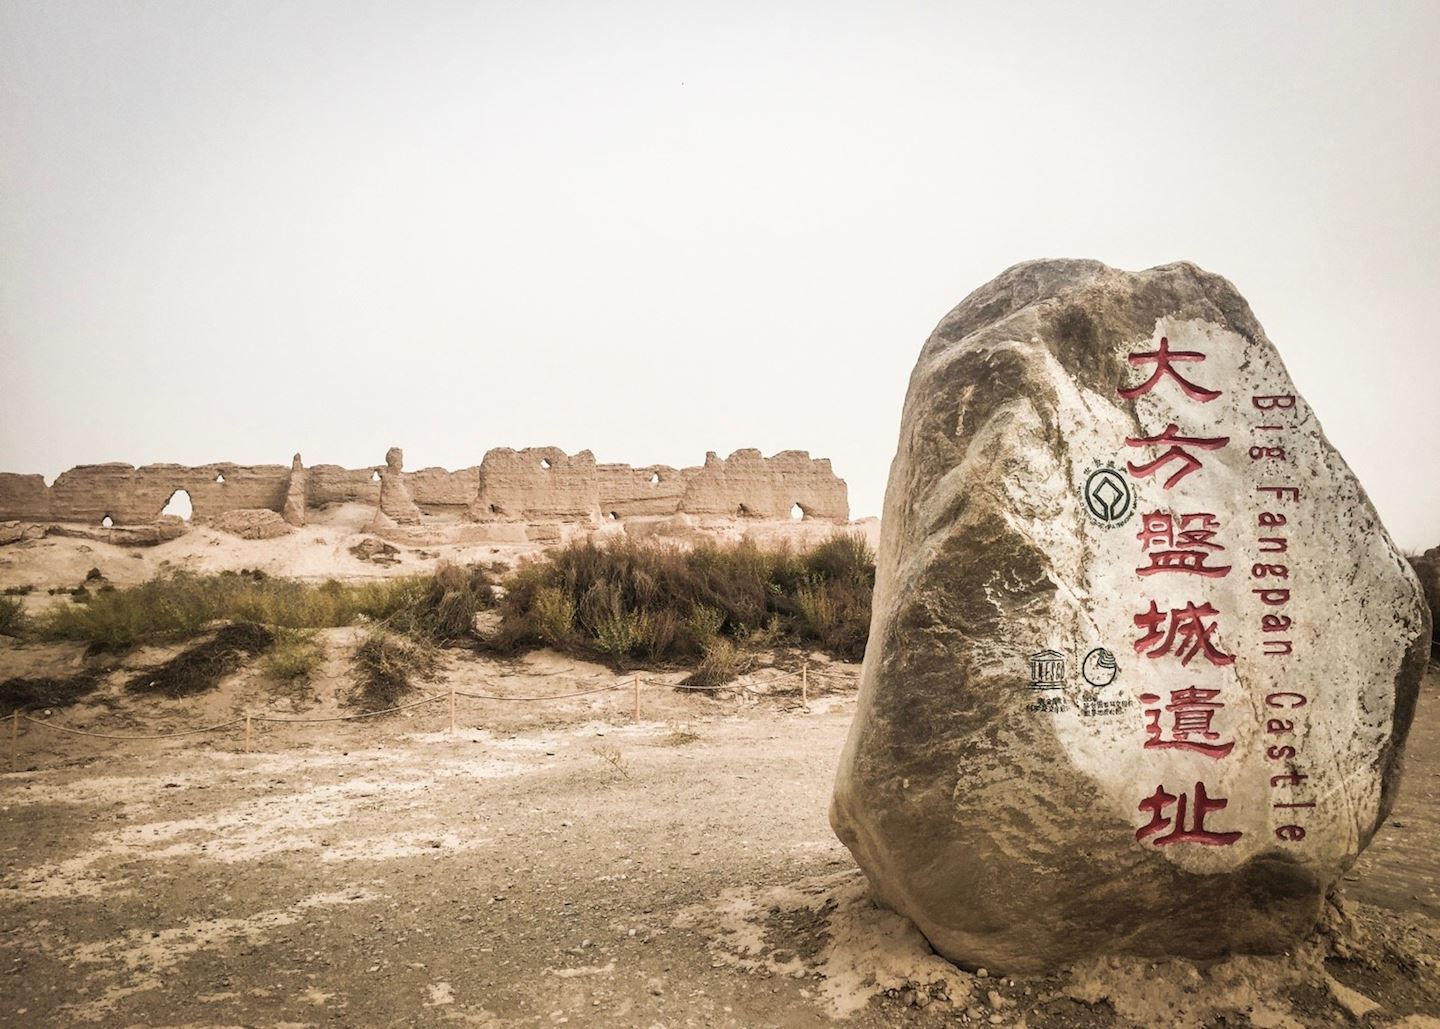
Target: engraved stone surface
[1142, 657]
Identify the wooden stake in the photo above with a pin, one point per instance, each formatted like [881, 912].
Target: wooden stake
[14, 737]
[805, 684]
[247, 732]
[637, 698]
[452, 709]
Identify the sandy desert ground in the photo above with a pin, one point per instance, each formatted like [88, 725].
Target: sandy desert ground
[561, 863]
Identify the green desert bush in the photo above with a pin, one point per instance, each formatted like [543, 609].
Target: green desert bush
[179, 605]
[294, 657]
[627, 599]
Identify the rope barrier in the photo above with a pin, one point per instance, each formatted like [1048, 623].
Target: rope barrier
[350, 718]
[557, 696]
[111, 736]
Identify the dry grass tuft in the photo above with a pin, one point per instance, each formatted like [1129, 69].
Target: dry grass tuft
[384, 667]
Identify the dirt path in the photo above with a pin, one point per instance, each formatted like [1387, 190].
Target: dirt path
[676, 872]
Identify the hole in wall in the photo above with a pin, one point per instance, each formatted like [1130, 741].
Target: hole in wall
[544, 464]
[742, 512]
[375, 475]
[654, 478]
[495, 509]
[220, 479]
[796, 513]
[107, 522]
[614, 517]
[179, 505]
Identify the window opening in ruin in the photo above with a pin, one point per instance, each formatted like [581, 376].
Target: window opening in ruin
[742, 512]
[797, 512]
[375, 475]
[545, 464]
[614, 517]
[179, 505]
[495, 509]
[220, 479]
[107, 522]
[654, 478]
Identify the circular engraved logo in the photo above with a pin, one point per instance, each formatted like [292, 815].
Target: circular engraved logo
[1099, 667]
[1108, 497]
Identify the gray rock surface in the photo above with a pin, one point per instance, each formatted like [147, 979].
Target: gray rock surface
[1142, 657]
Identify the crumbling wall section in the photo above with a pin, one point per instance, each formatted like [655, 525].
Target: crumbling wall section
[331, 484]
[439, 491]
[538, 484]
[24, 497]
[136, 496]
[749, 485]
[629, 492]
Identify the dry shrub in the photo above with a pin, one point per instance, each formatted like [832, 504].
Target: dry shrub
[40, 692]
[627, 599]
[723, 662]
[12, 617]
[443, 607]
[201, 667]
[384, 666]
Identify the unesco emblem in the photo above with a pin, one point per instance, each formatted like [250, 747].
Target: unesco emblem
[1108, 497]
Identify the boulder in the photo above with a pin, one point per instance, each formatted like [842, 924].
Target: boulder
[1427, 570]
[1142, 658]
[20, 532]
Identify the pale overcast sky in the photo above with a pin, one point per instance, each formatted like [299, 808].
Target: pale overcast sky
[230, 231]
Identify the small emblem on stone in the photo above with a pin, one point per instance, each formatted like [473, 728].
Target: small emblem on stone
[1047, 670]
[1108, 497]
[1099, 667]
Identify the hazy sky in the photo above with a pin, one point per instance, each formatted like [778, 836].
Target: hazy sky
[230, 231]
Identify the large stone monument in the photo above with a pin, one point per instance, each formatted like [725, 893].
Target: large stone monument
[1142, 658]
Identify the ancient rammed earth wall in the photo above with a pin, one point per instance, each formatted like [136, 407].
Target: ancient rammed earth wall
[532, 485]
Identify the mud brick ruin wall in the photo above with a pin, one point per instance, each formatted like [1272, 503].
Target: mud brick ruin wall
[538, 484]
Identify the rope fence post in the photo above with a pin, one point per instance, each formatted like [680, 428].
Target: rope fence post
[247, 730]
[637, 698]
[805, 684]
[452, 709]
[14, 737]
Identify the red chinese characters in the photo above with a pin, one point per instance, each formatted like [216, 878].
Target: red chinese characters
[1182, 631]
[1159, 802]
[1180, 543]
[1192, 716]
[1183, 547]
[1177, 452]
[1165, 360]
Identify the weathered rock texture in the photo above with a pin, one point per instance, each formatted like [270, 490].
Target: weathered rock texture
[1427, 570]
[253, 524]
[540, 485]
[1029, 800]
